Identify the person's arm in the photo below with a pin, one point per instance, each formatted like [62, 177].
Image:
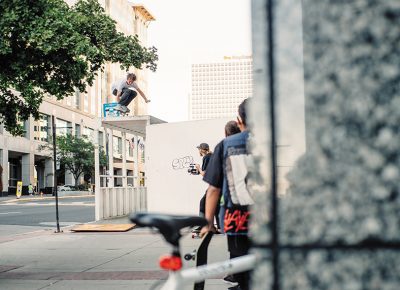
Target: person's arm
[143, 95]
[212, 199]
[119, 88]
[203, 168]
[119, 93]
[201, 172]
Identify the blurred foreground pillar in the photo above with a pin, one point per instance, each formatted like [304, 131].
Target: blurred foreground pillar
[339, 219]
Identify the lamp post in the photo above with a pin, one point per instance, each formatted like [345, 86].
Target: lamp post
[53, 122]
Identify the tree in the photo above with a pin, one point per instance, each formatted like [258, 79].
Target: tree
[48, 48]
[76, 154]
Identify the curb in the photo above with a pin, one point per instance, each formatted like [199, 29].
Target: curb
[24, 199]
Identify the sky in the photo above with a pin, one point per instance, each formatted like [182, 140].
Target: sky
[186, 32]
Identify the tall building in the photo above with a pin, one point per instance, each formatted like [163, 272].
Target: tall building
[21, 157]
[218, 88]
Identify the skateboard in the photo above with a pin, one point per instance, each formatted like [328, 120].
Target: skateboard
[201, 259]
[122, 113]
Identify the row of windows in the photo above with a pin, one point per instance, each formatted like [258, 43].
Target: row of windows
[222, 81]
[220, 65]
[218, 75]
[213, 100]
[224, 94]
[231, 88]
[210, 84]
[217, 99]
[222, 71]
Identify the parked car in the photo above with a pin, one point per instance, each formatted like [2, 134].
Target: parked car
[65, 187]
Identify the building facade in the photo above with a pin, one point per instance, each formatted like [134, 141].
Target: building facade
[218, 88]
[23, 159]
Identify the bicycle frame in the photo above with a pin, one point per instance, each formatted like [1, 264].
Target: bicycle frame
[178, 279]
[169, 226]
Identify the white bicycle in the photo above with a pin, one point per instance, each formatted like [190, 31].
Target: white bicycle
[170, 227]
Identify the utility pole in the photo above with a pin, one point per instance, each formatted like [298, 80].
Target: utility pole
[53, 122]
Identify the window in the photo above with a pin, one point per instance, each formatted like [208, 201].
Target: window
[101, 136]
[89, 133]
[117, 145]
[63, 127]
[86, 103]
[24, 125]
[77, 99]
[77, 130]
[130, 145]
[41, 128]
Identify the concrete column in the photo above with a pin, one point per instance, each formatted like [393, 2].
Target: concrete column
[48, 173]
[5, 169]
[30, 128]
[110, 157]
[28, 163]
[136, 162]
[98, 200]
[41, 178]
[124, 173]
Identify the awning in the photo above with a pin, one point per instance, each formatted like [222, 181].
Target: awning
[135, 125]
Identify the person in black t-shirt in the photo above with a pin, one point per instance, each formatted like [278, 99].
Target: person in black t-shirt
[222, 176]
[231, 128]
[204, 151]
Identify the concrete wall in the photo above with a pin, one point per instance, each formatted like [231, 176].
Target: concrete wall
[169, 147]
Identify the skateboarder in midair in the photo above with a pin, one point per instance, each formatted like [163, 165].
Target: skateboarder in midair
[126, 91]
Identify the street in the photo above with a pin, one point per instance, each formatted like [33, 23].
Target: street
[40, 212]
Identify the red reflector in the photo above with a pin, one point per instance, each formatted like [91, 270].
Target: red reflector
[172, 263]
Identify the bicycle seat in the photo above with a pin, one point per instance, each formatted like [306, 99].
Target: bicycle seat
[168, 225]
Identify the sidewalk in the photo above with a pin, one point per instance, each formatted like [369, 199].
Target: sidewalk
[99, 261]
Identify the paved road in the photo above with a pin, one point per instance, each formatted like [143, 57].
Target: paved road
[42, 212]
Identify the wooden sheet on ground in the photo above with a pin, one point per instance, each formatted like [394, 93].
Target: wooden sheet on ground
[103, 228]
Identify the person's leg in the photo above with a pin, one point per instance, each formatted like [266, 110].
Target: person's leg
[127, 97]
[239, 246]
[218, 208]
[202, 207]
[202, 211]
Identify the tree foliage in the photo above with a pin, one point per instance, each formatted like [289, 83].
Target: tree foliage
[49, 48]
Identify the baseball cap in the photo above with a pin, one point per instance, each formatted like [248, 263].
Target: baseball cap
[203, 146]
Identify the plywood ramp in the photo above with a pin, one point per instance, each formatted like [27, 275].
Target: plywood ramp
[103, 228]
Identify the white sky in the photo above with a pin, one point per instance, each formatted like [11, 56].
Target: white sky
[187, 32]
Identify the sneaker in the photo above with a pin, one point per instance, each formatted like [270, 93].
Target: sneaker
[126, 109]
[237, 287]
[118, 107]
[196, 230]
[230, 280]
[123, 109]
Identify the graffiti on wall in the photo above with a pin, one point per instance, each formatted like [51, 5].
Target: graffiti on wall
[182, 162]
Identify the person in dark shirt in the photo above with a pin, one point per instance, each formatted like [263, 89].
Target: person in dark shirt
[204, 151]
[231, 128]
[227, 173]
